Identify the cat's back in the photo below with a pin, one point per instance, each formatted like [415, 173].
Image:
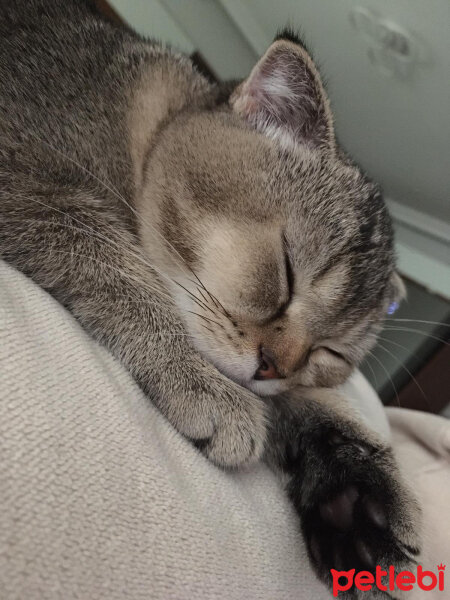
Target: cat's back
[67, 76]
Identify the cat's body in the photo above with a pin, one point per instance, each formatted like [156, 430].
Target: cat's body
[166, 217]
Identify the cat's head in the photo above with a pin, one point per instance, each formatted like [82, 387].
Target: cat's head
[281, 247]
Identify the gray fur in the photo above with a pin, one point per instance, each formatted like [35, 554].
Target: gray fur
[159, 211]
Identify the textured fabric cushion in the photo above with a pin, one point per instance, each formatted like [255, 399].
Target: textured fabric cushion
[101, 499]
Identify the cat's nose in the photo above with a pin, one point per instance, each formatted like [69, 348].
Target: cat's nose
[267, 367]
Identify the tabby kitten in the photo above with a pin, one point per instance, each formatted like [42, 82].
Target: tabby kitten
[219, 243]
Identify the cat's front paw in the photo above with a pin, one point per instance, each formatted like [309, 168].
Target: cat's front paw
[355, 511]
[239, 428]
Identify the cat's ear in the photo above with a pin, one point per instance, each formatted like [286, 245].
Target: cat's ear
[284, 98]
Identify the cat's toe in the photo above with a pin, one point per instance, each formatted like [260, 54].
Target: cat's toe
[339, 511]
[238, 437]
[232, 447]
[376, 512]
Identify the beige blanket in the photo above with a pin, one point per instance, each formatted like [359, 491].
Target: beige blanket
[101, 499]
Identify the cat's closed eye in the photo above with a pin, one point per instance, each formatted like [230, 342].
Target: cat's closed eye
[290, 289]
[289, 276]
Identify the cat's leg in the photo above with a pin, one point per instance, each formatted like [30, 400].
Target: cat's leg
[83, 255]
[355, 510]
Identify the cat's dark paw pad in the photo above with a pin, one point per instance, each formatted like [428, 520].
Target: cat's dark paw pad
[339, 511]
[355, 529]
[354, 509]
[376, 512]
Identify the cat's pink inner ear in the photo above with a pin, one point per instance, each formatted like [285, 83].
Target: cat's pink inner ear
[284, 98]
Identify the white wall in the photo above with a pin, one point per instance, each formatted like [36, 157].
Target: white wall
[150, 18]
[192, 25]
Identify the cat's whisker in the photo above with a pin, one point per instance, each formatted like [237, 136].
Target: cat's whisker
[164, 334]
[98, 235]
[419, 321]
[203, 295]
[109, 187]
[409, 373]
[420, 332]
[388, 375]
[212, 298]
[194, 297]
[205, 318]
[373, 372]
[116, 269]
[208, 328]
[202, 305]
[87, 229]
[91, 231]
[396, 344]
[131, 300]
[120, 197]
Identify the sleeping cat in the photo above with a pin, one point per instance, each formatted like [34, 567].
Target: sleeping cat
[217, 241]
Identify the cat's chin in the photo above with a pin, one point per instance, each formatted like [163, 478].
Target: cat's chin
[270, 387]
